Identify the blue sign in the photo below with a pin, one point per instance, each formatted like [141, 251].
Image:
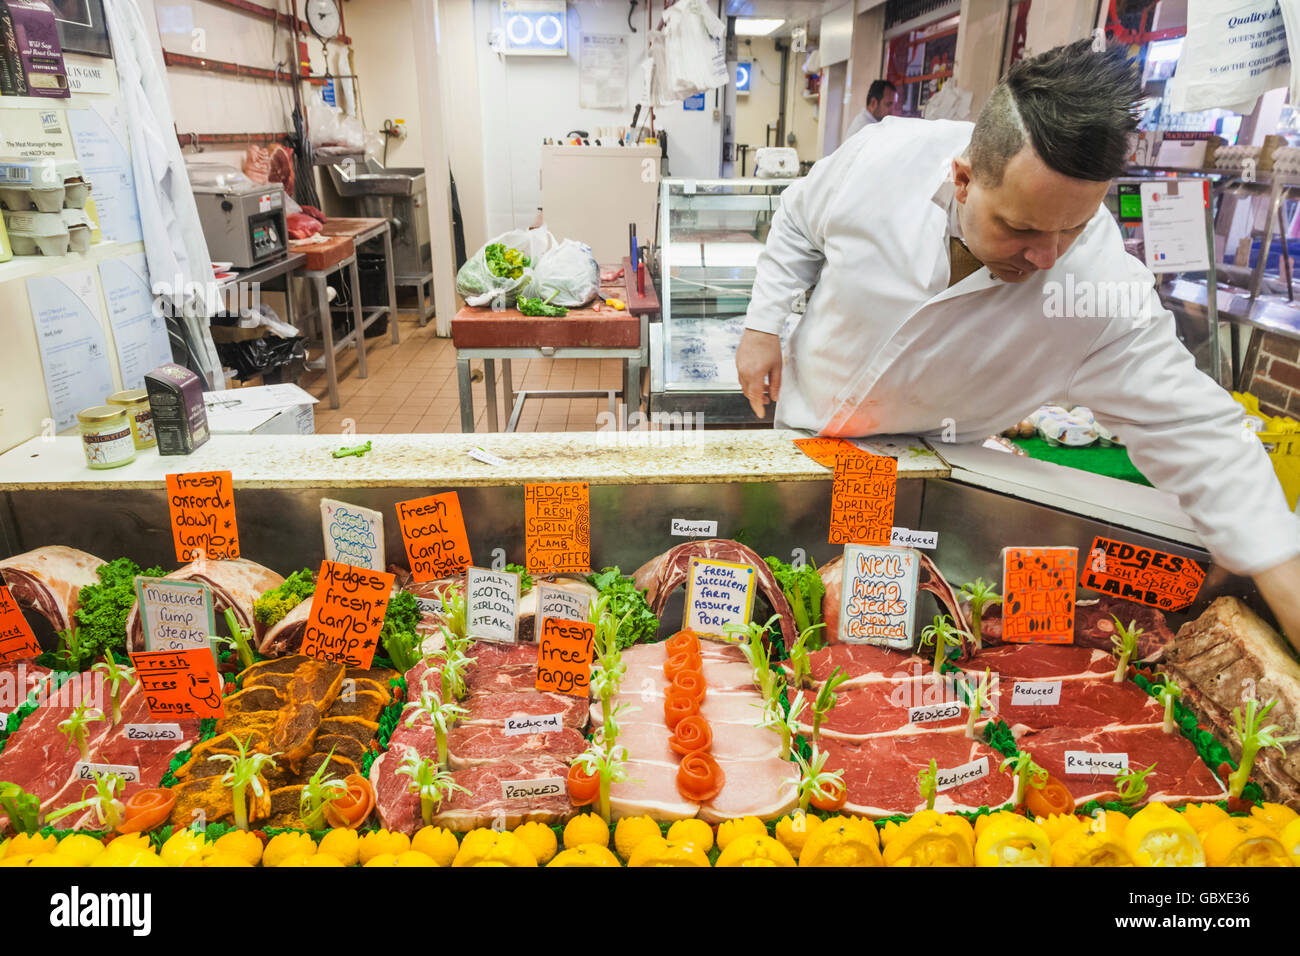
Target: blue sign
[695, 102]
[742, 76]
[327, 92]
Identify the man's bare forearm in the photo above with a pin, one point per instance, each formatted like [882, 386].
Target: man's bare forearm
[1280, 587]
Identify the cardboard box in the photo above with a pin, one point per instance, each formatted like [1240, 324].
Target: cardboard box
[31, 47]
[176, 400]
[261, 410]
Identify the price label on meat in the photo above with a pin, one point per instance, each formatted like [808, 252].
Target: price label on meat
[957, 776]
[16, 638]
[564, 657]
[176, 614]
[557, 528]
[179, 683]
[1081, 763]
[353, 535]
[492, 605]
[862, 499]
[535, 789]
[433, 530]
[203, 516]
[824, 451]
[1157, 578]
[1038, 595]
[719, 594]
[347, 613]
[878, 597]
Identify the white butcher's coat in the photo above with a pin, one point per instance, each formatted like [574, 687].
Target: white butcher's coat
[884, 347]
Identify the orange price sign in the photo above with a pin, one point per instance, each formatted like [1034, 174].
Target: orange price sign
[564, 656]
[433, 530]
[824, 451]
[1038, 595]
[557, 527]
[1157, 578]
[347, 613]
[16, 638]
[862, 499]
[202, 505]
[180, 683]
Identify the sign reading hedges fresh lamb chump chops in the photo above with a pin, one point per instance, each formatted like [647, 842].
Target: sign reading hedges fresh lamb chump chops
[1156, 578]
[347, 614]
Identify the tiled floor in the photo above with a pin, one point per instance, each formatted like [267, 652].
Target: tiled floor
[411, 387]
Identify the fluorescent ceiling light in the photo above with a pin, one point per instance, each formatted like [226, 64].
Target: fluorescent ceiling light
[751, 27]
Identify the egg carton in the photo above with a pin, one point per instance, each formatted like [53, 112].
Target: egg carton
[47, 186]
[40, 233]
[1286, 161]
[1235, 157]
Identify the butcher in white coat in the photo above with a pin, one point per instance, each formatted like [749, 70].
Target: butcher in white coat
[940, 255]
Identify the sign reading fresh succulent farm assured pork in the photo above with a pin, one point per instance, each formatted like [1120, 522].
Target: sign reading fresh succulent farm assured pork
[557, 528]
[202, 507]
[347, 614]
[862, 499]
[719, 594]
[878, 598]
[564, 657]
[492, 605]
[353, 535]
[16, 638]
[1038, 595]
[1156, 578]
[433, 530]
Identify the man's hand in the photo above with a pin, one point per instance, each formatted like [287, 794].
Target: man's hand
[1280, 587]
[758, 365]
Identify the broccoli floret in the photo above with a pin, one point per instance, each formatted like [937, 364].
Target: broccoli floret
[102, 611]
[272, 606]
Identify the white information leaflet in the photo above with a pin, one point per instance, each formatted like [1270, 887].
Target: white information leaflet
[70, 335]
[1173, 227]
[139, 333]
[353, 534]
[100, 137]
[602, 71]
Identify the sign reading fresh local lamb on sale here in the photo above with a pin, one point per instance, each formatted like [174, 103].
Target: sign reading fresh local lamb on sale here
[202, 509]
[347, 614]
[878, 597]
[492, 605]
[719, 594]
[433, 531]
[353, 535]
[1156, 578]
[175, 614]
[1038, 588]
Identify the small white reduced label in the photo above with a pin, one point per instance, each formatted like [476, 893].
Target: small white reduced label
[1080, 763]
[903, 538]
[529, 724]
[429, 605]
[532, 789]
[963, 774]
[1036, 693]
[154, 732]
[928, 713]
[685, 528]
[480, 454]
[83, 770]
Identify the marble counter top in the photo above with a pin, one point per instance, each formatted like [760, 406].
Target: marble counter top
[421, 461]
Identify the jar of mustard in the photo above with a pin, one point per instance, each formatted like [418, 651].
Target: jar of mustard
[135, 401]
[106, 436]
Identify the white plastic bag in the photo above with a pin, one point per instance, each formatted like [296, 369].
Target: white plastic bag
[481, 286]
[776, 162]
[566, 275]
[1234, 51]
[330, 126]
[693, 41]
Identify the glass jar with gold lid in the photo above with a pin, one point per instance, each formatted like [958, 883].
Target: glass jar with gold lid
[106, 436]
[136, 403]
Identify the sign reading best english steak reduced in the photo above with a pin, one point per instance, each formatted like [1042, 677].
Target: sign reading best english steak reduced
[1038, 586]
[347, 614]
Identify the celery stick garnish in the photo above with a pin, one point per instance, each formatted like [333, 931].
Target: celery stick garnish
[981, 594]
[429, 782]
[1253, 736]
[1125, 642]
[245, 774]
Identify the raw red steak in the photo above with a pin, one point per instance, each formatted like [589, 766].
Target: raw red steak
[476, 746]
[881, 773]
[1043, 662]
[886, 708]
[1094, 625]
[17, 681]
[494, 708]
[862, 662]
[1084, 704]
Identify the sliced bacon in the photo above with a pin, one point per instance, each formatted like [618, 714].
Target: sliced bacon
[235, 584]
[49, 581]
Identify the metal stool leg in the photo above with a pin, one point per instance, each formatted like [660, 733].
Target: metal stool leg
[490, 384]
[392, 284]
[355, 275]
[508, 385]
[466, 395]
[326, 320]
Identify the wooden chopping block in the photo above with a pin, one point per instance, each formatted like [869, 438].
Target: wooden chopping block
[323, 255]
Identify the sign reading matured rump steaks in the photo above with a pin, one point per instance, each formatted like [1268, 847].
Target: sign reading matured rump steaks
[347, 614]
[878, 598]
[862, 499]
[1038, 595]
[1156, 578]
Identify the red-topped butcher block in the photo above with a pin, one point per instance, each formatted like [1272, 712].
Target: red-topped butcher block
[323, 255]
[479, 328]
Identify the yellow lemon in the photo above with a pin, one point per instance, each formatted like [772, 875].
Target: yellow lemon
[321, 859]
[728, 830]
[1204, 816]
[382, 841]
[222, 858]
[18, 859]
[242, 844]
[292, 860]
[632, 830]
[439, 843]
[657, 851]
[589, 854]
[793, 831]
[128, 843]
[694, 831]
[343, 845]
[182, 845]
[81, 847]
[381, 859]
[284, 845]
[55, 860]
[750, 849]
[587, 828]
[414, 858]
[31, 844]
[539, 838]
[1275, 816]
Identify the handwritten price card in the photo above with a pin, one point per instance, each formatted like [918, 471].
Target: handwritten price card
[16, 638]
[862, 499]
[557, 528]
[347, 613]
[179, 683]
[353, 535]
[559, 603]
[1038, 595]
[564, 657]
[824, 451]
[878, 599]
[718, 594]
[433, 530]
[202, 508]
[1167, 581]
[492, 605]
[177, 615]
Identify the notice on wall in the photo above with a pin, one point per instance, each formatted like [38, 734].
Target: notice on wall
[1173, 226]
[16, 638]
[1038, 586]
[602, 71]
[104, 152]
[202, 506]
[564, 657]
[34, 134]
[70, 335]
[862, 499]
[1156, 578]
[176, 615]
[347, 614]
[492, 605]
[558, 603]
[878, 598]
[719, 595]
[557, 528]
[353, 535]
[433, 531]
[139, 333]
[179, 683]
